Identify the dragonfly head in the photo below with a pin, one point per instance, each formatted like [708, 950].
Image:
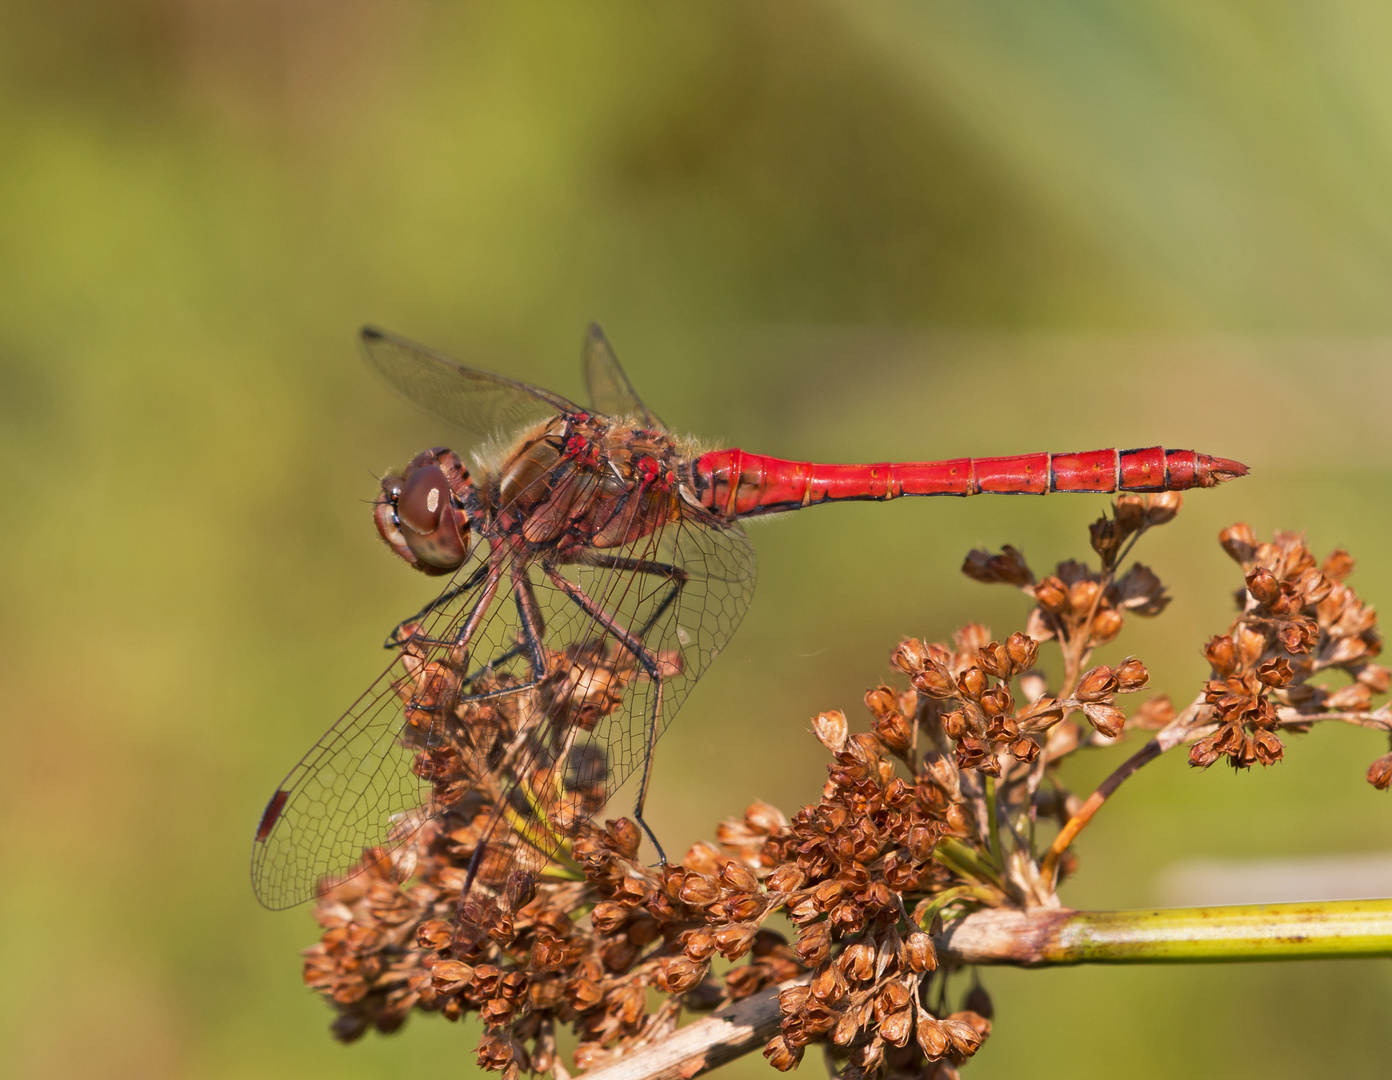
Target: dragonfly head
[421, 513]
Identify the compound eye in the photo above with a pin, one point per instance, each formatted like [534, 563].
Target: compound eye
[423, 498]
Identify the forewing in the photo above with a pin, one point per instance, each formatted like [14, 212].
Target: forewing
[611, 394]
[485, 407]
[358, 787]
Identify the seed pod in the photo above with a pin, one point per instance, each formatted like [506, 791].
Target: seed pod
[932, 1037]
[698, 944]
[997, 701]
[1107, 719]
[1096, 684]
[698, 891]
[782, 1056]
[1106, 625]
[1130, 513]
[971, 682]
[910, 657]
[678, 974]
[1022, 650]
[623, 838]
[1239, 541]
[1276, 672]
[881, 701]
[1024, 749]
[1131, 675]
[734, 939]
[786, 878]
[608, 917]
[994, 659]
[858, 962]
[1263, 586]
[831, 729]
[434, 934]
[1162, 507]
[934, 681]
[814, 944]
[1221, 653]
[1052, 596]
[919, 952]
[1380, 772]
[1106, 538]
[964, 1038]
[829, 985]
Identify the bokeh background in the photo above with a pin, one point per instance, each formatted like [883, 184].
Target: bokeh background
[853, 229]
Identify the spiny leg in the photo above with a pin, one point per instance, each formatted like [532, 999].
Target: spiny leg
[641, 654]
[395, 639]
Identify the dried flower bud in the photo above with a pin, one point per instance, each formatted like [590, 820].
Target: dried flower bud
[814, 944]
[1204, 752]
[1106, 538]
[1107, 719]
[1022, 650]
[623, 838]
[1276, 672]
[447, 976]
[881, 701]
[1131, 675]
[910, 657]
[972, 682]
[954, 723]
[1162, 507]
[1239, 541]
[734, 939]
[934, 681]
[434, 934]
[1338, 566]
[698, 891]
[678, 974]
[782, 1056]
[932, 1037]
[698, 944]
[607, 917]
[919, 952]
[786, 878]
[1052, 595]
[894, 731]
[1299, 635]
[1221, 653]
[831, 729]
[1024, 749]
[963, 1036]
[858, 962]
[898, 1027]
[1375, 677]
[1008, 567]
[1129, 512]
[1380, 772]
[1262, 584]
[1097, 684]
[1268, 747]
[994, 660]
[829, 985]
[1106, 625]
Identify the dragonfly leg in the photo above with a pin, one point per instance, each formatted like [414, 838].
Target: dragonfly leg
[646, 660]
[396, 638]
[675, 575]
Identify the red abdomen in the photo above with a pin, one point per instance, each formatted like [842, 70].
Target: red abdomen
[735, 484]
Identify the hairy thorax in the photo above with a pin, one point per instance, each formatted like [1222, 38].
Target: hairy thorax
[581, 481]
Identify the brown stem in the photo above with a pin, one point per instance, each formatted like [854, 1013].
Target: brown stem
[1171, 735]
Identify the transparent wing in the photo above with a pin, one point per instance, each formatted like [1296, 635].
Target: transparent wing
[515, 713]
[486, 407]
[610, 391]
[359, 786]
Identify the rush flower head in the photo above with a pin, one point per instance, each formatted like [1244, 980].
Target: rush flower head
[936, 801]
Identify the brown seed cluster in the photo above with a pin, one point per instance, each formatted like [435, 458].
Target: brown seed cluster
[1298, 620]
[928, 815]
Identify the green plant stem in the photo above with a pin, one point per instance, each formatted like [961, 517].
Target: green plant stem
[963, 859]
[992, 823]
[1057, 936]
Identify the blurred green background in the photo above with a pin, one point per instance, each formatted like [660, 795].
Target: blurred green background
[849, 229]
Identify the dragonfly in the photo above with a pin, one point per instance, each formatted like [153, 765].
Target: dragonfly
[594, 566]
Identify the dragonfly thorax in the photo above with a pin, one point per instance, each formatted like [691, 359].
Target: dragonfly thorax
[422, 514]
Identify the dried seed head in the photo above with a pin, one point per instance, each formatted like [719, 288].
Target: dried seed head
[881, 701]
[1008, 567]
[919, 952]
[1162, 507]
[934, 681]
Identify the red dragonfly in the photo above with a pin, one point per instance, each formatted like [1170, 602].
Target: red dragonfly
[596, 567]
